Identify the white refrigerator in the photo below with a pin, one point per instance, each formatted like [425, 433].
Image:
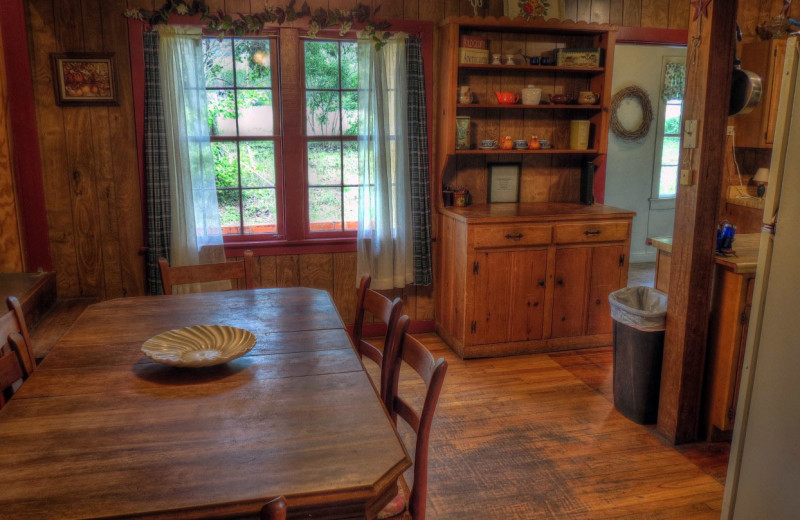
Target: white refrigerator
[764, 470]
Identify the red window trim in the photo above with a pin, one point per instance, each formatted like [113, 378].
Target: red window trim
[234, 246]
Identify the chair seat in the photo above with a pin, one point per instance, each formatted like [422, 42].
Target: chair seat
[397, 508]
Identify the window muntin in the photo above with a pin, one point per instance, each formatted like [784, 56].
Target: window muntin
[244, 125]
[331, 117]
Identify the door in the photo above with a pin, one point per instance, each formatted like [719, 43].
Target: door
[529, 276]
[606, 270]
[569, 291]
[492, 272]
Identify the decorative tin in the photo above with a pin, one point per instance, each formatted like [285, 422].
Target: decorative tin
[578, 57]
[463, 134]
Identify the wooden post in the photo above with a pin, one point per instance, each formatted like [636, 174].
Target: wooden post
[709, 63]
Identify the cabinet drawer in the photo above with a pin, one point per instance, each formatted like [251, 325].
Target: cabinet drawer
[509, 236]
[591, 232]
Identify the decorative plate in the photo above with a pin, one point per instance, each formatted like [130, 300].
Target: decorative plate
[199, 346]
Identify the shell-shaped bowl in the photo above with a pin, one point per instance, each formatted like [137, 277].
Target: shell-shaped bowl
[199, 345]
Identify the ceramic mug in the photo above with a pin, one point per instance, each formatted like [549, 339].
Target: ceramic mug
[545, 60]
[520, 144]
[534, 60]
[488, 143]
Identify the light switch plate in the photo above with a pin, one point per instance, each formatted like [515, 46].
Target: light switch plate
[686, 178]
[690, 133]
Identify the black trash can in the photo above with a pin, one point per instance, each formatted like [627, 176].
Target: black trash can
[639, 315]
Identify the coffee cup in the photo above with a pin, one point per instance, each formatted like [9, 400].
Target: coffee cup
[520, 143]
[488, 143]
[534, 60]
[545, 60]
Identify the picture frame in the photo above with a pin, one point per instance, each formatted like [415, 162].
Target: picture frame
[85, 79]
[504, 182]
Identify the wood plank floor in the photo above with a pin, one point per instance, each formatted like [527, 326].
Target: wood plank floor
[537, 437]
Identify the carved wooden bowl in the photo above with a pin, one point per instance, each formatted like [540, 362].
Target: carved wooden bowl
[199, 346]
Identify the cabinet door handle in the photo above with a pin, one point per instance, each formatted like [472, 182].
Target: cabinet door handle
[541, 283]
[592, 232]
[560, 281]
[514, 237]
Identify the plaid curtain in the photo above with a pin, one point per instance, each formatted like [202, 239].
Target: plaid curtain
[418, 163]
[155, 166]
[674, 80]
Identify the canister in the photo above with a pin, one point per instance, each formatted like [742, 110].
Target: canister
[579, 134]
[463, 134]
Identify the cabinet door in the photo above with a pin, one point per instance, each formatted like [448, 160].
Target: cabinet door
[569, 292]
[492, 272]
[528, 277]
[606, 269]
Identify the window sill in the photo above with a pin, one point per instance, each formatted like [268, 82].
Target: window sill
[289, 247]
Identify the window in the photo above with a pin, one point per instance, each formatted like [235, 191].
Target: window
[331, 117]
[245, 131]
[668, 149]
[668, 136]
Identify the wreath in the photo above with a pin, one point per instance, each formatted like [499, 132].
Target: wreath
[620, 131]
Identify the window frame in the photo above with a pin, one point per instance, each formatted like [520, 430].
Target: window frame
[295, 204]
[309, 233]
[276, 138]
[656, 200]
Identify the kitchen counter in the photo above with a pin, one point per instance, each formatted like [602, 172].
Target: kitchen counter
[532, 211]
[744, 260]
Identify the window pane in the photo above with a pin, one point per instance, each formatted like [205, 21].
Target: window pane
[350, 159]
[221, 112]
[349, 65]
[252, 63]
[324, 163]
[670, 153]
[672, 117]
[349, 113]
[322, 64]
[668, 184]
[225, 164]
[325, 209]
[228, 201]
[260, 211]
[255, 112]
[218, 62]
[322, 113]
[351, 209]
[258, 163]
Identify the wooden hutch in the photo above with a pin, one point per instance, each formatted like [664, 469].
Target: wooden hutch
[532, 276]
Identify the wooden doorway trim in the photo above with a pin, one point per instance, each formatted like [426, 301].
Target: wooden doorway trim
[709, 64]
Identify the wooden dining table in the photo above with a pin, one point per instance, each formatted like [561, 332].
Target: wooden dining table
[101, 431]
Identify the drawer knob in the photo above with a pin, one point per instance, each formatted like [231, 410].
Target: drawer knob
[592, 232]
[514, 237]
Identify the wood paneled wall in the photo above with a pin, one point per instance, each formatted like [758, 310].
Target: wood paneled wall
[10, 240]
[89, 157]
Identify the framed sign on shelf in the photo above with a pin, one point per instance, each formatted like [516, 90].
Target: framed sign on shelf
[504, 182]
[84, 78]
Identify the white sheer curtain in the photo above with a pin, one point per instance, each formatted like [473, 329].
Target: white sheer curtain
[196, 234]
[385, 238]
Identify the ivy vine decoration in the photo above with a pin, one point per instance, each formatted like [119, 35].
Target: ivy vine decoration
[240, 24]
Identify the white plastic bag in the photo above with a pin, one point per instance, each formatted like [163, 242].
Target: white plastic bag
[642, 308]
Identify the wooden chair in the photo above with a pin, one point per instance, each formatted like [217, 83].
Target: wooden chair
[208, 272]
[388, 312]
[403, 347]
[275, 509]
[16, 353]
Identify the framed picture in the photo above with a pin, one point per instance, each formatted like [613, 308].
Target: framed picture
[504, 182]
[84, 78]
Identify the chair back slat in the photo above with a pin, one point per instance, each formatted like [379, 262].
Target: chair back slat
[179, 275]
[432, 371]
[16, 354]
[275, 509]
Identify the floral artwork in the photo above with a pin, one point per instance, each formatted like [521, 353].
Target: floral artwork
[533, 8]
[530, 9]
[84, 79]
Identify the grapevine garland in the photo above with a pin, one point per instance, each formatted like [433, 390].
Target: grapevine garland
[620, 131]
[223, 23]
